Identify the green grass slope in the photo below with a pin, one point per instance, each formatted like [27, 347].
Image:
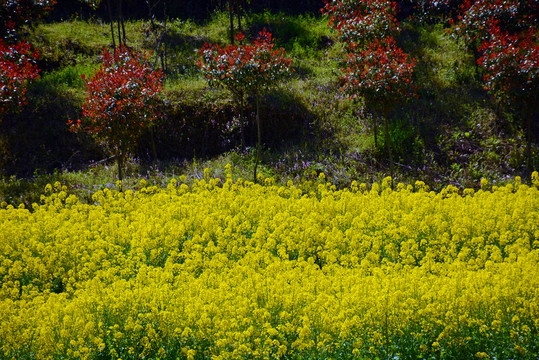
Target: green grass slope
[452, 133]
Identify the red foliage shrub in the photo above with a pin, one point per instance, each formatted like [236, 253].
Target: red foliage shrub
[511, 16]
[244, 68]
[122, 100]
[381, 73]
[511, 65]
[16, 69]
[362, 21]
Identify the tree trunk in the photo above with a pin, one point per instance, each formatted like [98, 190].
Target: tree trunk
[150, 13]
[119, 26]
[259, 138]
[119, 160]
[121, 19]
[111, 25]
[154, 149]
[124, 38]
[388, 146]
[530, 113]
[238, 13]
[153, 27]
[231, 16]
[375, 122]
[164, 52]
[242, 122]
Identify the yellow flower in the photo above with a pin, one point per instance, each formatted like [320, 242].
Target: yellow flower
[269, 270]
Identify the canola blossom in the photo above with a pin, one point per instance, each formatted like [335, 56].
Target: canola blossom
[237, 270]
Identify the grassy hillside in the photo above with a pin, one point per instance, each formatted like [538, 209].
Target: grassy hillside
[452, 133]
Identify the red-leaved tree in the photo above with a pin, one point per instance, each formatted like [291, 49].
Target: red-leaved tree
[362, 21]
[122, 99]
[381, 74]
[245, 69]
[511, 74]
[504, 36]
[479, 16]
[17, 68]
[377, 70]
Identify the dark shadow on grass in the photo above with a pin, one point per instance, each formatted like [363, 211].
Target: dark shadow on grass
[37, 139]
[287, 31]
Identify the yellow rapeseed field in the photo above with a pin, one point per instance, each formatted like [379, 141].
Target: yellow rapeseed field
[237, 270]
